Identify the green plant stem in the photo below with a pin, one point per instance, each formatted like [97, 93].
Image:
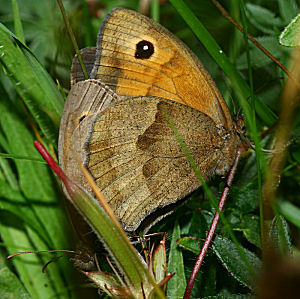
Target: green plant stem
[254, 131]
[155, 10]
[72, 37]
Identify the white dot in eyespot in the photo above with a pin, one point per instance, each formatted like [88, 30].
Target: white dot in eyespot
[145, 47]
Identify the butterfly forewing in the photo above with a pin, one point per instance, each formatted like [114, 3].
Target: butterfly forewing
[138, 57]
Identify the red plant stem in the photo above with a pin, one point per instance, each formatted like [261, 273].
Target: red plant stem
[53, 165]
[47, 157]
[213, 227]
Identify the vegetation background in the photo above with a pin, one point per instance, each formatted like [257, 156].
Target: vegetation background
[36, 55]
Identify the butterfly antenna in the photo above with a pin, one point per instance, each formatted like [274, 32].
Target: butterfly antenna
[43, 251]
[39, 251]
[52, 260]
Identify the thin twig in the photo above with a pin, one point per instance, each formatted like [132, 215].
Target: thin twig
[213, 227]
[254, 41]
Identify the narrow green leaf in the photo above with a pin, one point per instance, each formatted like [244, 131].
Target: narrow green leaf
[160, 261]
[230, 257]
[177, 283]
[260, 159]
[33, 85]
[11, 287]
[198, 226]
[8, 174]
[62, 274]
[17, 21]
[16, 157]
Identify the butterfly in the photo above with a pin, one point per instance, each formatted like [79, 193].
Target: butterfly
[142, 80]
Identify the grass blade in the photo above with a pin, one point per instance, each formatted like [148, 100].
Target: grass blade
[33, 84]
[17, 22]
[177, 284]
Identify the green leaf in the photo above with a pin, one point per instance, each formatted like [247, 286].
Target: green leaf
[29, 266]
[295, 151]
[230, 257]
[198, 226]
[245, 199]
[263, 19]
[8, 174]
[288, 9]
[14, 202]
[190, 243]
[258, 58]
[33, 84]
[108, 283]
[250, 228]
[290, 35]
[160, 261]
[39, 189]
[177, 283]
[11, 287]
[209, 276]
[289, 211]
[35, 179]
[280, 236]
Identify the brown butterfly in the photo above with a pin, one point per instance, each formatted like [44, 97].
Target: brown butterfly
[118, 122]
